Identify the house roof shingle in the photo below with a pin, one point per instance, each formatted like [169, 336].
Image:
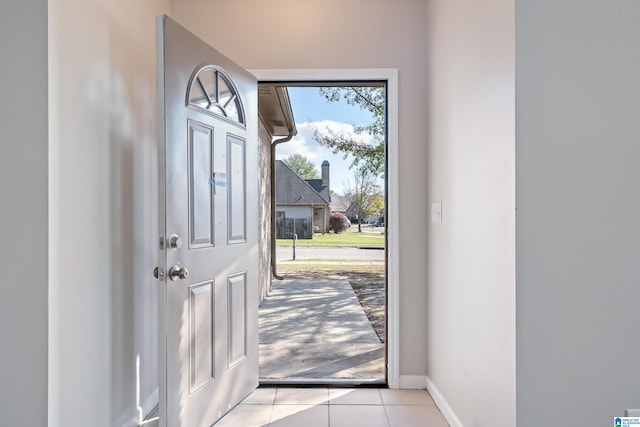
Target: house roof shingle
[321, 188]
[293, 190]
[340, 204]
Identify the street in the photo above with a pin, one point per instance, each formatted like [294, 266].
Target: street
[302, 253]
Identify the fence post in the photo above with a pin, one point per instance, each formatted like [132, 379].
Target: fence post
[295, 237]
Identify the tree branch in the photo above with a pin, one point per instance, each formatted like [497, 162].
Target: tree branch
[368, 101]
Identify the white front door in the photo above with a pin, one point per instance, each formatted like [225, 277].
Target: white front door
[208, 203]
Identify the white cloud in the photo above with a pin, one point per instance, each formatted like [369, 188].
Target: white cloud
[304, 143]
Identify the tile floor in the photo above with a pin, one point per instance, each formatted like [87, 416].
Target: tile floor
[322, 407]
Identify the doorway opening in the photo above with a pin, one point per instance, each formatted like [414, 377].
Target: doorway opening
[332, 319]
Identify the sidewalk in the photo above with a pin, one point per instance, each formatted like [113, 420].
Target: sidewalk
[317, 329]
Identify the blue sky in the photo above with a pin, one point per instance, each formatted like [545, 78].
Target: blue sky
[311, 110]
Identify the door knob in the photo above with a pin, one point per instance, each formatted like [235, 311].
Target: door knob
[176, 272]
[175, 241]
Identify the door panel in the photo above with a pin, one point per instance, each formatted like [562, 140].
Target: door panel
[237, 191]
[237, 318]
[201, 220]
[208, 198]
[201, 337]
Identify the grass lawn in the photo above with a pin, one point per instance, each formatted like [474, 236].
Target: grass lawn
[349, 238]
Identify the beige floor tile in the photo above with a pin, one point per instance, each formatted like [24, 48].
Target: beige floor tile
[406, 397]
[415, 416]
[299, 415]
[247, 416]
[302, 396]
[362, 396]
[357, 415]
[261, 396]
[322, 407]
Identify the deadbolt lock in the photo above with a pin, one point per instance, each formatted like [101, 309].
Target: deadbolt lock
[174, 242]
[158, 273]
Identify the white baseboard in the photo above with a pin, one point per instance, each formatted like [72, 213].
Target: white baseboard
[143, 411]
[413, 382]
[132, 421]
[149, 406]
[442, 404]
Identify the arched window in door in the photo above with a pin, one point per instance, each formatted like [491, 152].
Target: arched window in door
[213, 92]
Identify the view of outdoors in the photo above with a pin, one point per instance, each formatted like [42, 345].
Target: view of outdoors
[326, 320]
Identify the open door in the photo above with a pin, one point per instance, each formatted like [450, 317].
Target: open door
[208, 204]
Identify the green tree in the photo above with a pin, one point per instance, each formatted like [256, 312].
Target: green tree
[365, 155]
[302, 166]
[365, 196]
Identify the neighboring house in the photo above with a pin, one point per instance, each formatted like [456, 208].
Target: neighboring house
[306, 201]
[340, 204]
[321, 185]
[376, 219]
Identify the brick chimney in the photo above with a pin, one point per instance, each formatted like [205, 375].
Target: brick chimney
[325, 173]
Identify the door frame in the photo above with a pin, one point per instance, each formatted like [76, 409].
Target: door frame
[390, 76]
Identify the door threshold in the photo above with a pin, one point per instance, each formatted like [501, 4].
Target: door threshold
[322, 383]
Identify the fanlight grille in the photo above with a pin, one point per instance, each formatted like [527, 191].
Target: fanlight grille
[213, 92]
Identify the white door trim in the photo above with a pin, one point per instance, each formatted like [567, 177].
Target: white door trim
[390, 75]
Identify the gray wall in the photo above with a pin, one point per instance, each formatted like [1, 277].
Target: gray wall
[24, 228]
[578, 238]
[103, 212]
[471, 170]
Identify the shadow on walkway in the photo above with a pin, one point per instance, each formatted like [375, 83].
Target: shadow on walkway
[316, 329]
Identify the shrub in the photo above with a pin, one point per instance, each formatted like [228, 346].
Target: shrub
[338, 222]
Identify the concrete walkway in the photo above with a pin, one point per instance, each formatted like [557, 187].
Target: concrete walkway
[317, 330]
